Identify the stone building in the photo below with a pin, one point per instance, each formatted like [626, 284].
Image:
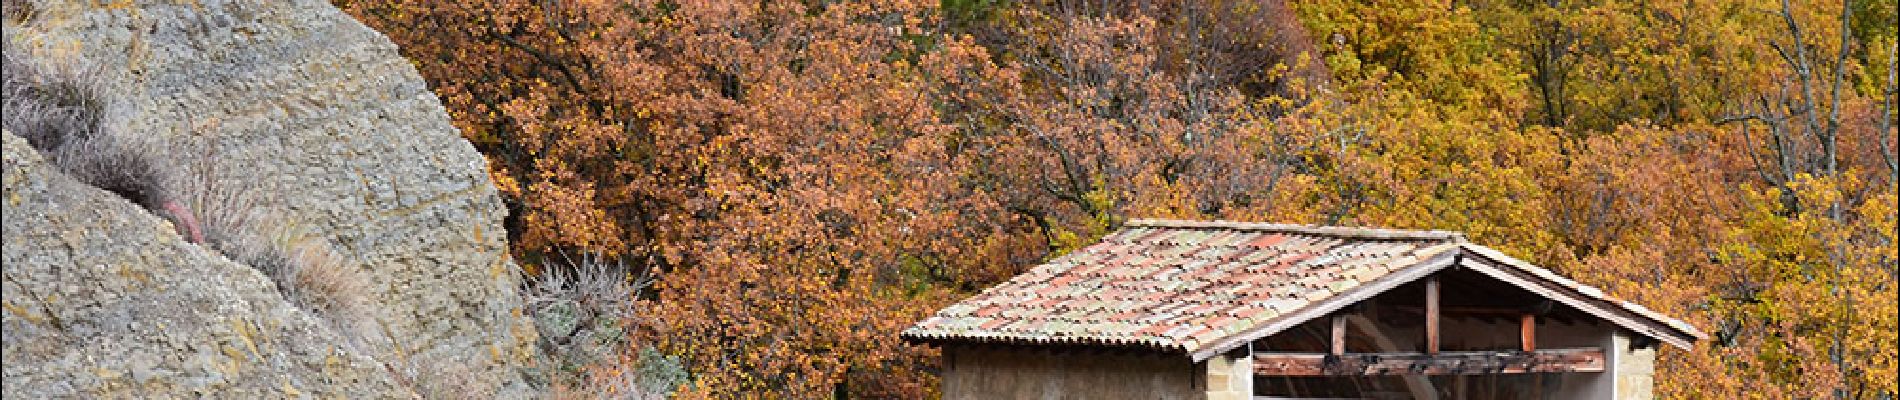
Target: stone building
[1222, 310]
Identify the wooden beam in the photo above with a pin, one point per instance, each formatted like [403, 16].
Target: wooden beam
[1339, 334]
[1419, 386]
[1431, 314]
[1528, 333]
[1475, 311]
[1588, 359]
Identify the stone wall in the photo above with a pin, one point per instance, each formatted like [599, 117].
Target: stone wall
[1634, 369]
[1230, 375]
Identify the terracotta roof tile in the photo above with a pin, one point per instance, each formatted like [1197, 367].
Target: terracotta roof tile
[1175, 285]
[1181, 285]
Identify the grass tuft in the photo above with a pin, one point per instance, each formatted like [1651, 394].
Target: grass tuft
[50, 106]
[308, 270]
[16, 11]
[62, 110]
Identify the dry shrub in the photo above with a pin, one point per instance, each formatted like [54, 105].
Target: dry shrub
[578, 298]
[582, 310]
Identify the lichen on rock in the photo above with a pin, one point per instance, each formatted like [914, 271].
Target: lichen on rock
[328, 127]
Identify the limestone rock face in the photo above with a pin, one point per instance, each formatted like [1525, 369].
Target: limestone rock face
[103, 300]
[325, 121]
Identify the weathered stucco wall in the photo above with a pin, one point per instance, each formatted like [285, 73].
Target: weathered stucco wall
[1601, 385]
[983, 372]
[990, 372]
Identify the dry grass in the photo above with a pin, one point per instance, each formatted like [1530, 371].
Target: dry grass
[16, 11]
[62, 110]
[637, 374]
[312, 275]
[307, 269]
[50, 106]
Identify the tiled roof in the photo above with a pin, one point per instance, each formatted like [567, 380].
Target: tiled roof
[1176, 286]
[1184, 286]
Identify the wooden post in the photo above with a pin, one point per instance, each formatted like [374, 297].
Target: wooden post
[1431, 315]
[1339, 335]
[1528, 335]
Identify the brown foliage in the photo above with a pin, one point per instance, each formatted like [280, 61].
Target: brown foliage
[807, 178]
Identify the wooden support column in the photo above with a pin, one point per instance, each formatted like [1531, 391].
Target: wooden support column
[1528, 334]
[1431, 314]
[1339, 335]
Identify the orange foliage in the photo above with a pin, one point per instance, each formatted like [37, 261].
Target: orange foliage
[808, 178]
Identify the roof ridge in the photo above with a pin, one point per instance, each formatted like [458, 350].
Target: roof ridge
[1317, 230]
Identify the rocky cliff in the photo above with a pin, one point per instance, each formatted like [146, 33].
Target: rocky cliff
[325, 127]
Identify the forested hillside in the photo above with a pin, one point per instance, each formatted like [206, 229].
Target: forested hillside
[803, 179]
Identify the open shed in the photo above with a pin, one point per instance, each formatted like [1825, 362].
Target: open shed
[1224, 310]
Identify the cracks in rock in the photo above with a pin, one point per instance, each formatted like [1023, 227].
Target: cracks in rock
[51, 317]
[62, 110]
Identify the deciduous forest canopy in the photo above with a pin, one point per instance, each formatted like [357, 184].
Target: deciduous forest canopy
[807, 178]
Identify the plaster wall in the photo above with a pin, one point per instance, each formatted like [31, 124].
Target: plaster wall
[982, 372]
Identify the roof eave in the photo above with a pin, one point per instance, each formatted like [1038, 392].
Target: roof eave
[1525, 276]
[1496, 265]
[1435, 259]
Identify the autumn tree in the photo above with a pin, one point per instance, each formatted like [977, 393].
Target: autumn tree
[807, 178]
[779, 166]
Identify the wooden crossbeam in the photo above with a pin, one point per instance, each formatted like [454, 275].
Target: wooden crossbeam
[1420, 387]
[1587, 359]
[1481, 311]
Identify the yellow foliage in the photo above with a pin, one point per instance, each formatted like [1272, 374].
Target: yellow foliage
[810, 178]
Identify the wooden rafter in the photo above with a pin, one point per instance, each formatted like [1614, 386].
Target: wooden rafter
[1588, 359]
